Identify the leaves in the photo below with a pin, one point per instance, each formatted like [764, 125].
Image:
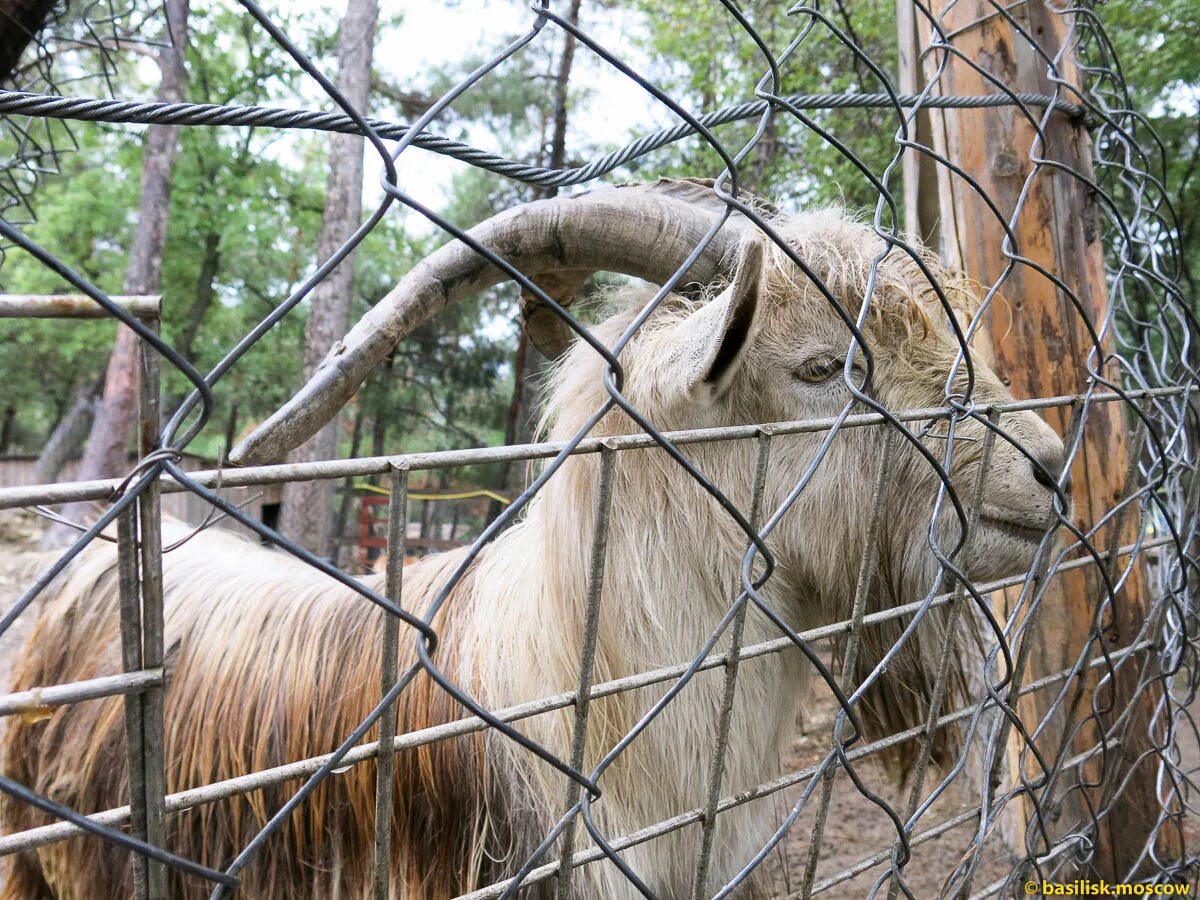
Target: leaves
[245, 216]
[246, 203]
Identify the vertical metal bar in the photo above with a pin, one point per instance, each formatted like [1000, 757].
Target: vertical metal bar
[956, 610]
[716, 768]
[866, 574]
[150, 510]
[397, 524]
[131, 660]
[587, 657]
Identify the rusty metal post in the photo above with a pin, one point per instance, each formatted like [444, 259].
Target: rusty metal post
[150, 544]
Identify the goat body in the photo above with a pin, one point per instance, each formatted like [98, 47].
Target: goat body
[269, 661]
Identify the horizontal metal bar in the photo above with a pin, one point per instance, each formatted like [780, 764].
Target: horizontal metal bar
[74, 306]
[157, 112]
[70, 492]
[60, 831]
[78, 691]
[693, 816]
[934, 831]
[1063, 847]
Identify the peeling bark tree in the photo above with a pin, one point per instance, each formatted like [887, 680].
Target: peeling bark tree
[1040, 344]
[308, 506]
[106, 453]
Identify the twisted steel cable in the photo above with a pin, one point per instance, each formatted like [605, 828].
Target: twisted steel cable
[115, 111]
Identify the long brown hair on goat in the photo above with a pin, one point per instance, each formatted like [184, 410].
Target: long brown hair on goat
[255, 678]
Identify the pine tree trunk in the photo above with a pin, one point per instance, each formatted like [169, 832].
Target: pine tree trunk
[346, 506]
[106, 454]
[562, 79]
[68, 435]
[6, 427]
[308, 506]
[231, 424]
[193, 319]
[206, 292]
[528, 363]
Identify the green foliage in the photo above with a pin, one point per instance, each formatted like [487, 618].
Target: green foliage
[247, 204]
[231, 190]
[246, 212]
[85, 215]
[703, 60]
[1156, 44]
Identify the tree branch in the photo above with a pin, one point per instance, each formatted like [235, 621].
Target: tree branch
[411, 104]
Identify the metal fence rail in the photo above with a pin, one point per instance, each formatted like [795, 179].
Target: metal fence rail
[1053, 754]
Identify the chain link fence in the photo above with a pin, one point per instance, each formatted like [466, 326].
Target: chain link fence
[76, 45]
[592, 701]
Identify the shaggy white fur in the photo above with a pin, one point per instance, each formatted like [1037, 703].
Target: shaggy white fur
[765, 348]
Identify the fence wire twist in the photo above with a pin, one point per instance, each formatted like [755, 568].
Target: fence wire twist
[1068, 764]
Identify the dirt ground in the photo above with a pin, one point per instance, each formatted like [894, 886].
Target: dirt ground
[856, 829]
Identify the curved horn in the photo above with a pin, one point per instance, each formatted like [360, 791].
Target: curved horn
[550, 334]
[643, 230]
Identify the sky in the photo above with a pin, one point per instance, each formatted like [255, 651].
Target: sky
[433, 34]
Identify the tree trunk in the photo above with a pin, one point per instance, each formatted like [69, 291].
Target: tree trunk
[230, 431]
[206, 291]
[106, 455]
[428, 512]
[382, 419]
[921, 210]
[528, 363]
[68, 435]
[562, 78]
[308, 506]
[6, 427]
[206, 283]
[346, 506]
[1041, 345]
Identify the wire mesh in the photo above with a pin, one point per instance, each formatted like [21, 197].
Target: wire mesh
[66, 44]
[1061, 761]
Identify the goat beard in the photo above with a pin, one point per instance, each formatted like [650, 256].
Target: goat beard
[900, 697]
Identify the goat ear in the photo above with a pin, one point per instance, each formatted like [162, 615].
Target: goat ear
[715, 337]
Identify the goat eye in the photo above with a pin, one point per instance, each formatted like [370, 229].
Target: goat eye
[819, 371]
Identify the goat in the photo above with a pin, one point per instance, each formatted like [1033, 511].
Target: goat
[269, 661]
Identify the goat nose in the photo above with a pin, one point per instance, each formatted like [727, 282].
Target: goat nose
[1053, 462]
